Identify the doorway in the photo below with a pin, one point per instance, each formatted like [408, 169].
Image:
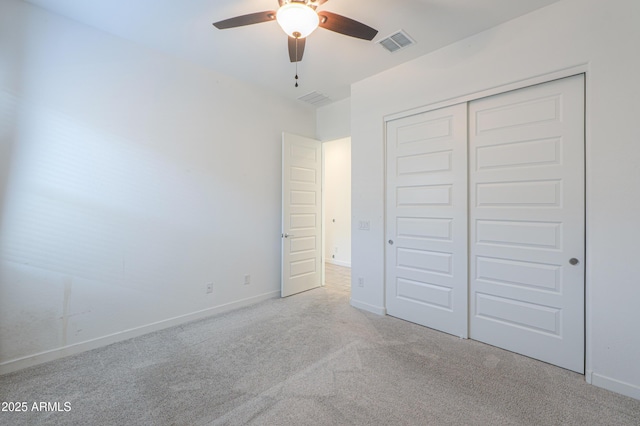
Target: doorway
[316, 211]
[337, 201]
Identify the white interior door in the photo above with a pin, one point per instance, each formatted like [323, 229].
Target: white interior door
[527, 221]
[301, 214]
[426, 219]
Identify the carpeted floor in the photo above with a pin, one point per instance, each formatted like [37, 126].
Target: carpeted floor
[310, 359]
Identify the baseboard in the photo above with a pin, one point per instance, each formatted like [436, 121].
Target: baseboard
[53, 354]
[378, 310]
[588, 376]
[338, 262]
[627, 389]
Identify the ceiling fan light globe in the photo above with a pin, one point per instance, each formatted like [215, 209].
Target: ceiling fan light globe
[297, 19]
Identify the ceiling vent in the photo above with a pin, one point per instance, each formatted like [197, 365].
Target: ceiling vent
[315, 99]
[396, 41]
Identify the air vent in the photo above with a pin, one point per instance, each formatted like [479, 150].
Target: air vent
[315, 99]
[396, 41]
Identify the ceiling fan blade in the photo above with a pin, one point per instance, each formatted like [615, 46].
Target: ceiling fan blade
[296, 55]
[252, 18]
[347, 26]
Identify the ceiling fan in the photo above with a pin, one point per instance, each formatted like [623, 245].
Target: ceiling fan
[298, 19]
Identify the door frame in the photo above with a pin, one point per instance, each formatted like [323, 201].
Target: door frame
[520, 84]
[322, 207]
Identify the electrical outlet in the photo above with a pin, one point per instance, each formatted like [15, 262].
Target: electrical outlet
[335, 250]
[247, 279]
[209, 288]
[360, 282]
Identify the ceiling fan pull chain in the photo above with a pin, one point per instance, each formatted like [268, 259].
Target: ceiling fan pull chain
[296, 62]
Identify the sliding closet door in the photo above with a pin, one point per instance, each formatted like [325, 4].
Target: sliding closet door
[426, 219]
[526, 170]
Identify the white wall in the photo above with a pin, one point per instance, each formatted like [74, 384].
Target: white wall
[602, 36]
[129, 180]
[337, 201]
[333, 121]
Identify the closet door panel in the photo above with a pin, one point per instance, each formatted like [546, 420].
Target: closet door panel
[526, 223]
[426, 219]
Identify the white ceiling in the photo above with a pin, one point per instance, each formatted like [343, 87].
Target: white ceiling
[258, 53]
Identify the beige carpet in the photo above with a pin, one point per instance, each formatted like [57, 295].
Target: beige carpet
[310, 359]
